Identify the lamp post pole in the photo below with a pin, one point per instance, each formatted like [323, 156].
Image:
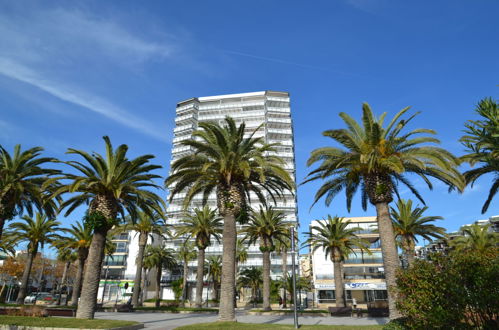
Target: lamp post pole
[294, 276]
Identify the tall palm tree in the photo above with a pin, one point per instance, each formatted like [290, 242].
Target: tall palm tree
[226, 162]
[214, 272]
[408, 223]
[282, 247]
[21, 179]
[110, 185]
[475, 238]
[251, 278]
[266, 227]
[482, 143]
[36, 232]
[186, 253]
[376, 158]
[160, 258]
[338, 239]
[241, 253]
[202, 225]
[66, 256]
[79, 240]
[146, 226]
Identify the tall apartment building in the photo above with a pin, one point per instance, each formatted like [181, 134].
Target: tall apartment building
[269, 111]
[364, 276]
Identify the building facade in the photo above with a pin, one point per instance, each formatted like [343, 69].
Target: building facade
[269, 112]
[364, 275]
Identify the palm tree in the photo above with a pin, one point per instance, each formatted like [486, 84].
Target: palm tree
[482, 143]
[376, 159]
[302, 283]
[146, 226]
[251, 278]
[214, 272]
[186, 253]
[160, 258]
[21, 180]
[283, 247]
[36, 232]
[241, 253]
[202, 225]
[79, 240]
[475, 237]
[110, 185]
[66, 256]
[226, 162]
[338, 239]
[266, 226]
[409, 223]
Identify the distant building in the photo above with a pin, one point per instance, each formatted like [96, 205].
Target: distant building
[364, 275]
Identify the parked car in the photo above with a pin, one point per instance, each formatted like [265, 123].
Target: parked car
[39, 298]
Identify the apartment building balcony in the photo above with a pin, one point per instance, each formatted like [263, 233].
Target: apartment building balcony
[279, 109]
[183, 128]
[185, 109]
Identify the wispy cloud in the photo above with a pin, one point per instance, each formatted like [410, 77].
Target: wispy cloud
[49, 48]
[80, 98]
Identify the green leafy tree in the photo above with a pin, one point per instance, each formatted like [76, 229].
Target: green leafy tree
[456, 291]
[226, 162]
[475, 238]
[22, 176]
[109, 185]
[147, 227]
[36, 232]
[377, 158]
[251, 278]
[482, 144]
[202, 225]
[266, 227]
[186, 253]
[409, 222]
[214, 272]
[338, 239]
[160, 258]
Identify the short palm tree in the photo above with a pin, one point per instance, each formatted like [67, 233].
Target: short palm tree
[186, 253]
[21, 179]
[110, 185]
[202, 225]
[482, 143]
[147, 227]
[338, 239]
[408, 223]
[376, 158]
[160, 258]
[214, 272]
[66, 256]
[282, 247]
[251, 278]
[226, 162]
[266, 227]
[241, 253]
[475, 238]
[36, 232]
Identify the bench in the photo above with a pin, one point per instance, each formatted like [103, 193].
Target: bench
[340, 311]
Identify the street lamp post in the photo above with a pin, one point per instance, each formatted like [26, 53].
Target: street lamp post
[295, 312]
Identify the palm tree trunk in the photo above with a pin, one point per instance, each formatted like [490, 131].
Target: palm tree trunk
[338, 284]
[158, 286]
[266, 280]
[184, 282]
[25, 279]
[91, 279]
[226, 310]
[390, 255]
[63, 281]
[138, 273]
[143, 291]
[80, 266]
[2, 223]
[409, 253]
[199, 278]
[284, 275]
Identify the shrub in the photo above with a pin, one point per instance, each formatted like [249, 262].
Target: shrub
[33, 311]
[454, 291]
[397, 324]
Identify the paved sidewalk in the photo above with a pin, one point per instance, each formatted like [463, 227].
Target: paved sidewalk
[170, 321]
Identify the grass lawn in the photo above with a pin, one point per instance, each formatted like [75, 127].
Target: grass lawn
[62, 322]
[254, 326]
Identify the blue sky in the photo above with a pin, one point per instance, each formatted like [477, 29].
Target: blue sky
[71, 72]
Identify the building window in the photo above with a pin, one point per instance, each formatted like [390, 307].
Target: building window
[121, 247]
